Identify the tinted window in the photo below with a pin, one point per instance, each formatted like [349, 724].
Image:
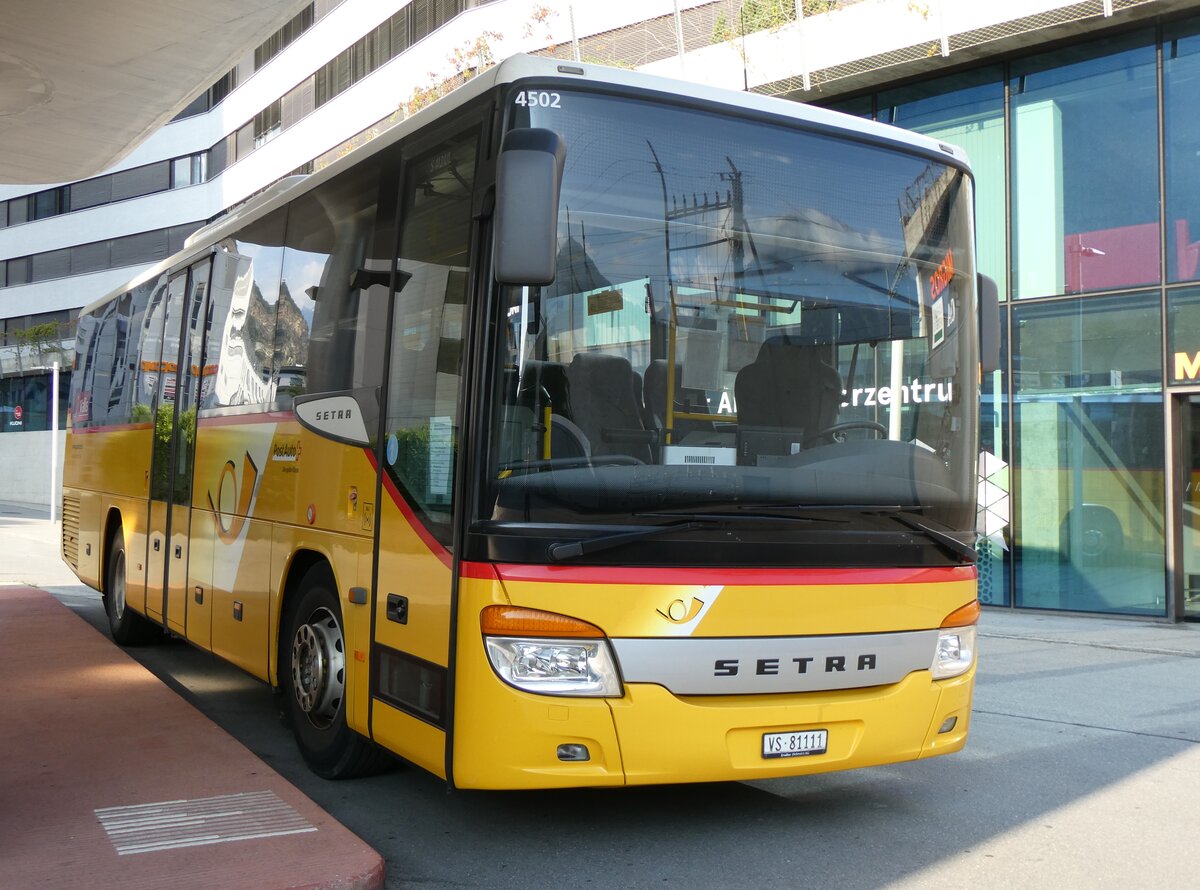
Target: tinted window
[1181, 81]
[1088, 433]
[244, 297]
[1078, 116]
[329, 326]
[428, 327]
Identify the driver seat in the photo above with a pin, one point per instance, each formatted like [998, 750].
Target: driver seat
[789, 386]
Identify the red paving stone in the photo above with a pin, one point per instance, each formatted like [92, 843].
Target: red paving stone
[86, 728]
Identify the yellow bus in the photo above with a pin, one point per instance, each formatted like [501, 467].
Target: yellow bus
[584, 429]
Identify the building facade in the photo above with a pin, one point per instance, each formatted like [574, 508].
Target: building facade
[1078, 121]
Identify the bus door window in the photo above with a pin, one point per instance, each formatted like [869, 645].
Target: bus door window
[424, 388]
[161, 381]
[428, 326]
[191, 381]
[164, 382]
[188, 378]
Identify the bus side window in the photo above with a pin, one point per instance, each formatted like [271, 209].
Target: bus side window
[330, 328]
[244, 295]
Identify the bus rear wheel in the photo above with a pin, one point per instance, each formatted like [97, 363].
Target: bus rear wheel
[312, 678]
[127, 627]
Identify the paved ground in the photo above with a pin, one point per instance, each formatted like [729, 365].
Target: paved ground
[1083, 770]
[110, 779]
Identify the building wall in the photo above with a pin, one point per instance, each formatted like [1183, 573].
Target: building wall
[25, 458]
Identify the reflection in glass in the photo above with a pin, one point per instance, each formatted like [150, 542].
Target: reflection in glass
[742, 315]
[161, 376]
[1183, 335]
[193, 378]
[110, 344]
[1085, 171]
[323, 325]
[965, 110]
[1089, 456]
[1181, 84]
[1190, 508]
[428, 328]
[995, 484]
[244, 296]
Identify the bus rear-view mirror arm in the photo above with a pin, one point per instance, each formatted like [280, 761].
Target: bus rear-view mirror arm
[989, 325]
[528, 180]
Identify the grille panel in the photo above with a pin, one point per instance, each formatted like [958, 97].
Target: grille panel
[70, 531]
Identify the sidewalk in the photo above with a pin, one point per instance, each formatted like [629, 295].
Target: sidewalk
[110, 779]
[1121, 634]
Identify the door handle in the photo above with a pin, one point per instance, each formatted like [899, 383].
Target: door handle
[157, 544]
[397, 608]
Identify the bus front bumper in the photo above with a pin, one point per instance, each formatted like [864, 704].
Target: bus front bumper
[650, 736]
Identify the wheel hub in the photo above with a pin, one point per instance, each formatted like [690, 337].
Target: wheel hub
[319, 667]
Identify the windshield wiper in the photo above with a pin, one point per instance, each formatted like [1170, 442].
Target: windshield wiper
[814, 508]
[741, 513]
[571, 549]
[948, 542]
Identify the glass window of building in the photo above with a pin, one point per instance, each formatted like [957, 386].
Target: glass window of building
[994, 511]
[1085, 169]
[859, 106]
[1088, 443]
[965, 110]
[1181, 81]
[1183, 336]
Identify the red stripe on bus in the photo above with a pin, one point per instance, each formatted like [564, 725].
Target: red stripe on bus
[740, 577]
[434, 545]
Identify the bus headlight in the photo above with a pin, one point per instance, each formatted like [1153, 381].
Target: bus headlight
[548, 653]
[955, 652]
[555, 667]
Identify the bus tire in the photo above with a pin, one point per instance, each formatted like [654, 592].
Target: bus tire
[127, 627]
[312, 673]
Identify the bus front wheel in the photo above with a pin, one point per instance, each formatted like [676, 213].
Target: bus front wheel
[312, 678]
[127, 627]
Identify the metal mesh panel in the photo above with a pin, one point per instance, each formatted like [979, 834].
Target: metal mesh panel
[709, 23]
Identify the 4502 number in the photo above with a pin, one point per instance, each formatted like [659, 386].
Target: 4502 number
[538, 99]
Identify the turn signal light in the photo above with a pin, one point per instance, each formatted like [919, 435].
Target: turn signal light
[963, 617]
[514, 621]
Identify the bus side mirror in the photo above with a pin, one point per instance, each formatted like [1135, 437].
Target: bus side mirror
[528, 180]
[989, 325]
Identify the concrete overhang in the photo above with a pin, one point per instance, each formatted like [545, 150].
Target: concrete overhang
[82, 83]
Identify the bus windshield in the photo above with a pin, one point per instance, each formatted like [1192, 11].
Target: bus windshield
[746, 315]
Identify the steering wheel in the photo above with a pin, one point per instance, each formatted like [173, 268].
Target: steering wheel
[835, 429]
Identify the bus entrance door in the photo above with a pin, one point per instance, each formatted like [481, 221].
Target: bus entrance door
[179, 382]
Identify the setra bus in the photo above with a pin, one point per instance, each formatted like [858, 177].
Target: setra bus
[585, 429]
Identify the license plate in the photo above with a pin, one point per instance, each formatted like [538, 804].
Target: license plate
[795, 744]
